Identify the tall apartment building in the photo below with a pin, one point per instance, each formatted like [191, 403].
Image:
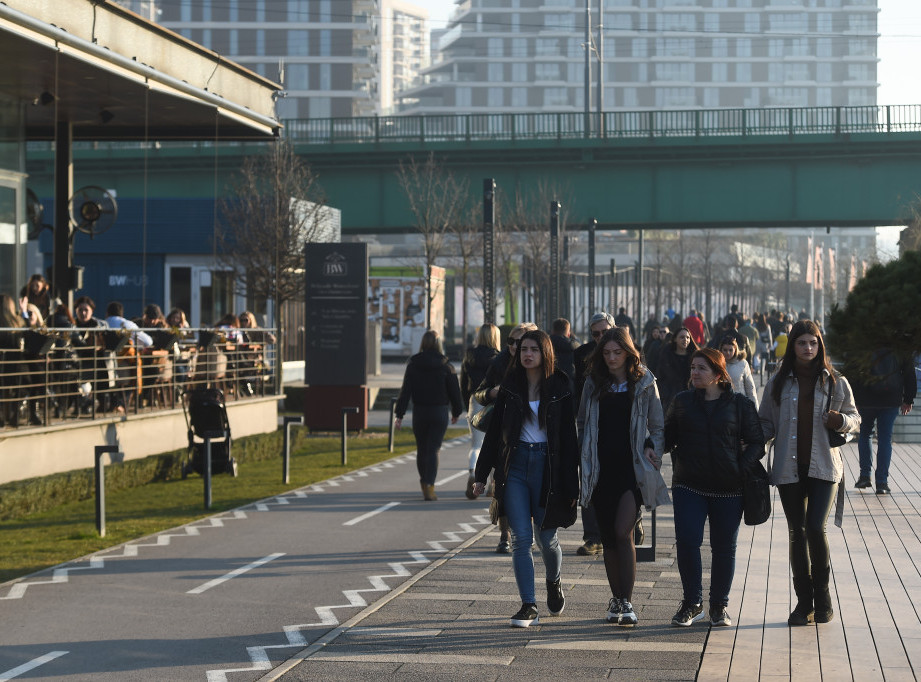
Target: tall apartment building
[334, 57]
[526, 55]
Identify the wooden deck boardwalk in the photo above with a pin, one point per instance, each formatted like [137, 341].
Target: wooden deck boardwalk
[876, 576]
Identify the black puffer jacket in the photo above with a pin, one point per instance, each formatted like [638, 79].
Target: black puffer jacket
[473, 370]
[562, 473]
[672, 373]
[429, 380]
[705, 447]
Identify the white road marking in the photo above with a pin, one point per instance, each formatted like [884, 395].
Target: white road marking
[452, 477]
[31, 665]
[359, 519]
[233, 574]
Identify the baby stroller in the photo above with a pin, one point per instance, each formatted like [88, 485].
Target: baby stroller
[206, 417]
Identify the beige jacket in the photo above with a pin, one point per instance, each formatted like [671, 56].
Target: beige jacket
[646, 421]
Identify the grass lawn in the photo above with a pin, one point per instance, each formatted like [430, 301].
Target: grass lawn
[69, 531]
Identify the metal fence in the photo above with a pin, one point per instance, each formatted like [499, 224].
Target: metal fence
[57, 375]
[684, 123]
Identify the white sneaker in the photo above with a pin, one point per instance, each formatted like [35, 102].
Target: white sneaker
[627, 615]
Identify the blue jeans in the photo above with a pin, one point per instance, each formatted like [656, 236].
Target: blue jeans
[522, 504]
[691, 513]
[885, 421]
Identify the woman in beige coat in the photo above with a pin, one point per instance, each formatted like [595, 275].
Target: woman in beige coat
[797, 414]
[620, 425]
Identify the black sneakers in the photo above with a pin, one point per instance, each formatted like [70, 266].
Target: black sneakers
[504, 547]
[882, 489]
[526, 615]
[613, 614]
[556, 602]
[863, 482]
[627, 615]
[719, 617]
[688, 613]
[589, 548]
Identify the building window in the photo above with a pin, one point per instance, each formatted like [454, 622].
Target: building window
[744, 72]
[555, 97]
[823, 97]
[677, 71]
[630, 98]
[516, 23]
[298, 76]
[495, 98]
[640, 48]
[326, 77]
[547, 71]
[298, 43]
[823, 72]
[823, 47]
[185, 10]
[298, 10]
[326, 40]
[326, 13]
[520, 97]
[711, 98]
[712, 22]
[495, 72]
[520, 48]
[823, 22]
[752, 22]
[494, 47]
[858, 97]
[548, 47]
[720, 47]
[260, 42]
[720, 72]
[677, 22]
[519, 72]
[234, 41]
[618, 22]
[858, 72]
[463, 96]
[744, 47]
[320, 107]
[674, 97]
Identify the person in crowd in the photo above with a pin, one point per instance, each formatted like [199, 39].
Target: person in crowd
[747, 329]
[10, 355]
[696, 326]
[115, 319]
[674, 366]
[884, 390]
[652, 323]
[563, 346]
[152, 318]
[622, 319]
[431, 382]
[620, 427]
[29, 311]
[742, 380]
[803, 401]
[598, 324]
[473, 371]
[229, 326]
[177, 319]
[89, 345]
[251, 331]
[486, 394]
[532, 451]
[703, 430]
[765, 342]
[780, 341]
[651, 348]
[38, 291]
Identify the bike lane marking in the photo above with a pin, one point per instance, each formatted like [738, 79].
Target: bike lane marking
[359, 519]
[233, 574]
[31, 665]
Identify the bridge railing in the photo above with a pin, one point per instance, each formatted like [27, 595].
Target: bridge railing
[650, 124]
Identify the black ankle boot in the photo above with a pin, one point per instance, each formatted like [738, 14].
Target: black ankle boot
[823, 608]
[803, 613]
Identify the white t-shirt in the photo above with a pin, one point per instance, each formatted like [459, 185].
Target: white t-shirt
[530, 428]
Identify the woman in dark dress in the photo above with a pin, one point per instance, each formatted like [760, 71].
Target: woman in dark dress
[621, 431]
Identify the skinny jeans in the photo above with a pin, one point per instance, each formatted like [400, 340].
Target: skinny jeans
[807, 504]
[522, 505]
[429, 425]
[885, 422]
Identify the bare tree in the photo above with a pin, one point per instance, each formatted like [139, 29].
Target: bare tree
[468, 236]
[436, 199]
[272, 209]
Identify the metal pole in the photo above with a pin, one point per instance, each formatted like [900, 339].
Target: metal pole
[206, 470]
[286, 451]
[600, 103]
[592, 224]
[393, 409]
[639, 282]
[101, 487]
[554, 308]
[489, 275]
[346, 411]
[587, 120]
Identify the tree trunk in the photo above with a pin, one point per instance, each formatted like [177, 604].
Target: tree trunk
[279, 346]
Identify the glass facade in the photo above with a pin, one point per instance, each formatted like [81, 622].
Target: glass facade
[13, 229]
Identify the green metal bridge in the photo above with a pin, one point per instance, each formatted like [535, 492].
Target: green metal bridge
[784, 167]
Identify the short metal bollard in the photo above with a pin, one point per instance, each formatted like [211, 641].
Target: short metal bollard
[206, 470]
[286, 452]
[393, 410]
[101, 487]
[346, 411]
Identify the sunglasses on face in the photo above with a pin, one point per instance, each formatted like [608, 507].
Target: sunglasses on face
[512, 342]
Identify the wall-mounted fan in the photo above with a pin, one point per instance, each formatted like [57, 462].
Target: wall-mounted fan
[34, 213]
[92, 210]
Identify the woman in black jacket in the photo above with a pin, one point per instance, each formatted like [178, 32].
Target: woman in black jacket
[673, 368]
[703, 431]
[431, 382]
[473, 370]
[531, 444]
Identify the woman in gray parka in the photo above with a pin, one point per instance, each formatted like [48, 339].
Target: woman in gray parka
[621, 431]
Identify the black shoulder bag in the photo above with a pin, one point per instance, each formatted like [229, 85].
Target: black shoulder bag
[835, 438]
[756, 486]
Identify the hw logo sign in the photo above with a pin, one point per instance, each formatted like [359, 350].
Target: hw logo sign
[335, 265]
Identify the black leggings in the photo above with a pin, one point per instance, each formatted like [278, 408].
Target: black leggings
[429, 425]
[616, 518]
[807, 504]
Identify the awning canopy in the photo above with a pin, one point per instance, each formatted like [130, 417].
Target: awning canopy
[115, 76]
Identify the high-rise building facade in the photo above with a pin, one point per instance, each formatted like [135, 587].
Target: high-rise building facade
[334, 57]
[526, 55]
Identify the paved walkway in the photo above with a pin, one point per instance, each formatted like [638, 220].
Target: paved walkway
[450, 620]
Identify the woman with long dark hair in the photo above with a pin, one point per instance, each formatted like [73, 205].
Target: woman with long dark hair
[431, 382]
[673, 370]
[703, 430]
[805, 399]
[531, 446]
[621, 431]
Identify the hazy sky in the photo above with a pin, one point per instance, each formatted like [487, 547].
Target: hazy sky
[899, 46]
